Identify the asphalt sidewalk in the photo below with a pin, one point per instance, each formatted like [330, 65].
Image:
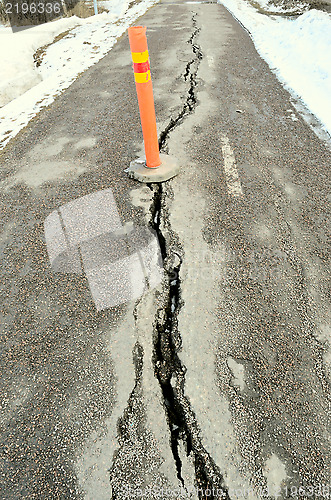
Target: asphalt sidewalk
[217, 378]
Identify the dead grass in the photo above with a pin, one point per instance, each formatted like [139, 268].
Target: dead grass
[39, 54]
[84, 9]
[81, 9]
[271, 12]
[3, 16]
[290, 7]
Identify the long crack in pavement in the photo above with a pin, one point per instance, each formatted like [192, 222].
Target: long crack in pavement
[190, 76]
[107, 404]
[169, 370]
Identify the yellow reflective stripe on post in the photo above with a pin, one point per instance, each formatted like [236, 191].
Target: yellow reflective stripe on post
[142, 77]
[139, 57]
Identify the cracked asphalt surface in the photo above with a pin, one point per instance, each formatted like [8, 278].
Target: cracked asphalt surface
[216, 382]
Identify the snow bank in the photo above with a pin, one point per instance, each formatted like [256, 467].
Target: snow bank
[26, 89]
[17, 71]
[297, 50]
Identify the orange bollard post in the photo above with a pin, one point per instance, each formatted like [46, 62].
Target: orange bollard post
[155, 167]
[142, 76]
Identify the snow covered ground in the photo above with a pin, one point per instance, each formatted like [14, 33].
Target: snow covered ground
[297, 49]
[25, 88]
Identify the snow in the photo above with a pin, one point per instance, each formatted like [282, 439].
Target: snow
[298, 50]
[17, 72]
[26, 89]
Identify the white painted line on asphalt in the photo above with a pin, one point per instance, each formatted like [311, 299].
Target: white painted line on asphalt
[230, 169]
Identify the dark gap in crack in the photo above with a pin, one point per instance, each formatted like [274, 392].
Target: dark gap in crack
[191, 76]
[167, 342]
[164, 357]
[200, 473]
[156, 220]
[169, 370]
[167, 365]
